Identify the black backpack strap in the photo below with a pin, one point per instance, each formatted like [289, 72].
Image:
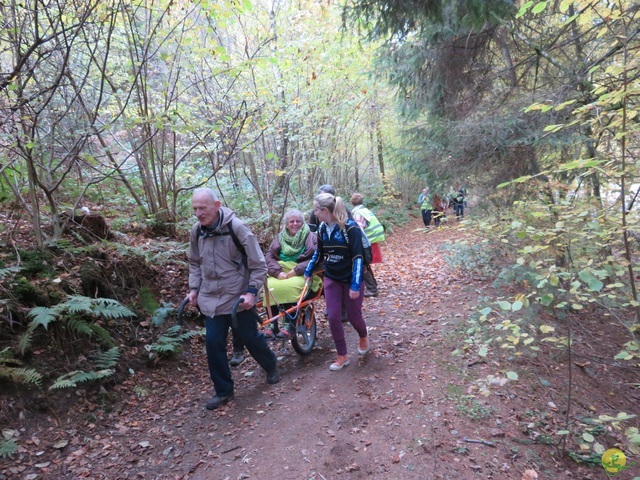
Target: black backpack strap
[239, 246]
[234, 237]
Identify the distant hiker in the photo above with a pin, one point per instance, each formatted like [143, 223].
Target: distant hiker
[458, 201]
[374, 231]
[438, 205]
[225, 264]
[424, 201]
[340, 244]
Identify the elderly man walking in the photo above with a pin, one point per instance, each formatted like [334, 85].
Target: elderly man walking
[225, 264]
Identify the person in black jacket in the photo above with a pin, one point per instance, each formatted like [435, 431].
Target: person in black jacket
[340, 244]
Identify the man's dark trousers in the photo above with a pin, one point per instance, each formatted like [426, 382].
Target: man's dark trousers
[247, 332]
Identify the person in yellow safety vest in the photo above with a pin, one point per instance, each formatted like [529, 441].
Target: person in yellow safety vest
[424, 200]
[374, 231]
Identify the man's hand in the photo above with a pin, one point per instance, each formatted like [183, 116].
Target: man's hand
[193, 298]
[282, 276]
[249, 301]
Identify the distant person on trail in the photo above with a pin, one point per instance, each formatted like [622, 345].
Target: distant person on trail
[458, 200]
[340, 243]
[424, 201]
[226, 265]
[287, 258]
[374, 231]
[438, 205]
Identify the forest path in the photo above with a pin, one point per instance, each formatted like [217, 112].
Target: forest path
[400, 412]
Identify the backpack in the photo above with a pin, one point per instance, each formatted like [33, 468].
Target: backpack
[366, 244]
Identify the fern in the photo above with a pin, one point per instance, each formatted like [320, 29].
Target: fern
[108, 359]
[8, 448]
[78, 325]
[170, 343]
[77, 304]
[161, 314]
[71, 312]
[10, 368]
[103, 335]
[21, 375]
[71, 379]
[25, 341]
[108, 308]
[43, 316]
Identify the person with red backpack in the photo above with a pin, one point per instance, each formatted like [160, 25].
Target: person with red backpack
[374, 231]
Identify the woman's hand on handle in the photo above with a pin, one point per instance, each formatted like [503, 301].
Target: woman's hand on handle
[353, 294]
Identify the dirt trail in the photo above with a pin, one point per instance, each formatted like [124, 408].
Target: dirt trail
[400, 412]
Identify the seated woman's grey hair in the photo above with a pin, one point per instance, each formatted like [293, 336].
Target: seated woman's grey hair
[293, 213]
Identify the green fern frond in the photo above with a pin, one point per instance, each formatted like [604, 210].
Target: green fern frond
[71, 379]
[8, 271]
[10, 368]
[8, 448]
[78, 304]
[27, 338]
[171, 342]
[161, 314]
[80, 326]
[173, 330]
[109, 308]
[6, 355]
[20, 375]
[165, 349]
[108, 359]
[103, 335]
[43, 316]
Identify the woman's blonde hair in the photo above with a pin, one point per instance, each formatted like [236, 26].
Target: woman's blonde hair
[335, 205]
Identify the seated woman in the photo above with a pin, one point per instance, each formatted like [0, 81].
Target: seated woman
[287, 259]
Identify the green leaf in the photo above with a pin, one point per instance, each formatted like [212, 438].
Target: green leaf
[547, 328]
[590, 279]
[523, 9]
[504, 305]
[512, 376]
[623, 355]
[563, 432]
[588, 437]
[486, 311]
[517, 305]
[483, 351]
[546, 299]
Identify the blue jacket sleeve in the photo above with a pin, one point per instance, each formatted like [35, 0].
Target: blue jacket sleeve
[357, 252]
